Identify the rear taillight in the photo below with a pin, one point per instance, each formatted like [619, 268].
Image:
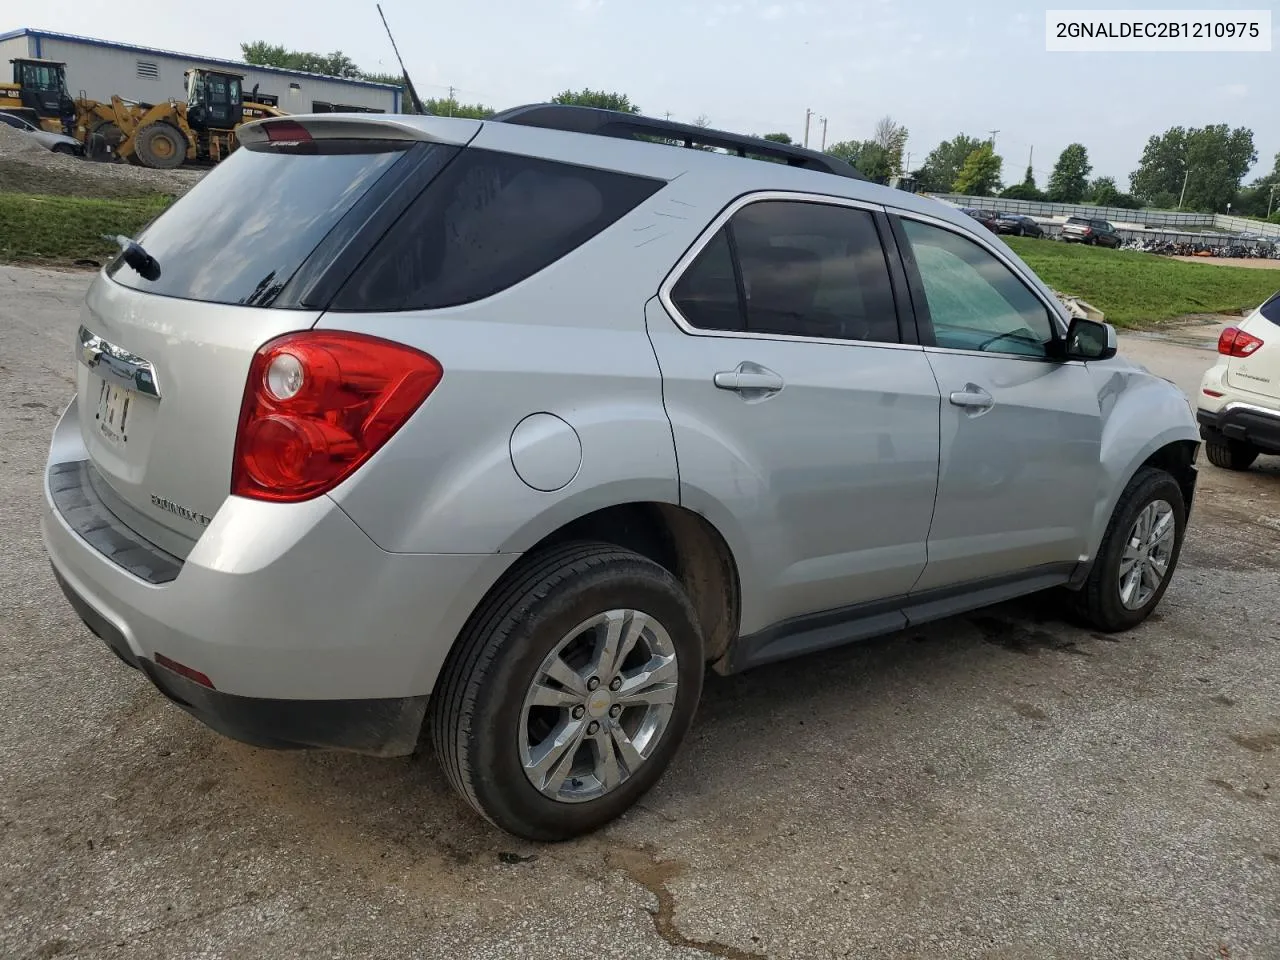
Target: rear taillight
[1234, 342]
[317, 406]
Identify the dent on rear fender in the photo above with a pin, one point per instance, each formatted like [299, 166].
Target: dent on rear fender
[1141, 413]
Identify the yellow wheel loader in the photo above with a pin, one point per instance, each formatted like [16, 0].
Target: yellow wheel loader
[166, 134]
[38, 94]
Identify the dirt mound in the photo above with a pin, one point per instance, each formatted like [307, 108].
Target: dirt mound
[27, 167]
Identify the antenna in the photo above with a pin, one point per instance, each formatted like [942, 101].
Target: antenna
[413, 94]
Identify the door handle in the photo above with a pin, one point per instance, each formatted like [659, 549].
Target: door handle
[749, 378]
[972, 397]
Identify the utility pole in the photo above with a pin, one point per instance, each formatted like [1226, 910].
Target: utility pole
[993, 139]
[1030, 153]
[667, 115]
[807, 114]
[905, 171]
[824, 134]
[451, 101]
[1271, 201]
[1183, 196]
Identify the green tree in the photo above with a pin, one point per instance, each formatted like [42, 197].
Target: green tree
[943, 163]
[868, 156]
[1103, 191]
[980, 174]
[450, 107]
[779, 137]
[1217, 160]
[890, 138]
[597, 98]
[1022, 191]
[336, 64]
[1030, 179]
[1210, 161]
[1070, 178]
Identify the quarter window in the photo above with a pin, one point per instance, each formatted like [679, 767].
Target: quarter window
[802, 269]
[975, 301]
[488, 221]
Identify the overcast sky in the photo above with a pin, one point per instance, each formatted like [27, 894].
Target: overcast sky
[754, 66]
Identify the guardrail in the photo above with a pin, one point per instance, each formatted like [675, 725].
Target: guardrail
[1157, 219]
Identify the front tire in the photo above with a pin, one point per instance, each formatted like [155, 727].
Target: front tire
[569, 691]
[1230, 454]
[160, 146]
[1138, 554]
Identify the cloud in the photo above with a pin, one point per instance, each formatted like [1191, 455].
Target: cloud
[1236, 90]
[587, 6]
[775, 11]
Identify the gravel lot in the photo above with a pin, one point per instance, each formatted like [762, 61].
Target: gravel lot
[999, 786]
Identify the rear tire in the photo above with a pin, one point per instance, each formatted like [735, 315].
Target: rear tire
[533, 639]
[65, 150]
[1119, 593]
[160, 146]
[1230, 454]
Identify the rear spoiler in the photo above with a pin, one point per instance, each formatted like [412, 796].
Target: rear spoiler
[359, 126]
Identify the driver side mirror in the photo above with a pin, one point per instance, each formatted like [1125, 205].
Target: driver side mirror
[1090, 340]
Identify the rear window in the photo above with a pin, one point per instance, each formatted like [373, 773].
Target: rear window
[1271, 309]
[488, 221]
[1080, 220]
[244, 230]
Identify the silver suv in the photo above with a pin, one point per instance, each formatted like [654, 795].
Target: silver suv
[506, 430]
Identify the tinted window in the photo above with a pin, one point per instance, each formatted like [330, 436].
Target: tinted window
[488, 221]
[1271, 309]
[707, 294]
[814, 270]
[975, 301]
[240, 233]
[12, 121]
[1078, 220]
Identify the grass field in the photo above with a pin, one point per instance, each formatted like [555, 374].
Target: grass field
[66, 229]
[1134, 289]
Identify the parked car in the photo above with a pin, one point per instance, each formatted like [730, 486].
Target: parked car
[1239, 402]
[987, 218]
[56, 142]
[1086, 230]
[1018, 225]
[506, 430]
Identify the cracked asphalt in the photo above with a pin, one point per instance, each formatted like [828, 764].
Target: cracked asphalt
[1001, 785]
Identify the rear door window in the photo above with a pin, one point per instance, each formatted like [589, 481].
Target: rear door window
[707, 294]
[814, 270]
[243, 231]
[794, 268]
[488, 221]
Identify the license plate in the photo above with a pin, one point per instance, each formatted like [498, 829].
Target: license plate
[115, 404]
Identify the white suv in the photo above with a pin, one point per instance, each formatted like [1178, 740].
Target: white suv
[1240, 395]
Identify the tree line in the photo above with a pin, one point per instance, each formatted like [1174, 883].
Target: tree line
[1200, 169]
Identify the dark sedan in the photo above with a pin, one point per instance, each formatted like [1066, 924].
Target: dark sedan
[1018, 225]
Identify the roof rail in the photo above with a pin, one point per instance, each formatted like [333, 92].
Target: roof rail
[632, 126]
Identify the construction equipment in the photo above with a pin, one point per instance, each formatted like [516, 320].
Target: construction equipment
[164, 135]
[38, 94]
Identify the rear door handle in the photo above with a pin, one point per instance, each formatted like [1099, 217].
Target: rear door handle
[972, 397]
[749, 378]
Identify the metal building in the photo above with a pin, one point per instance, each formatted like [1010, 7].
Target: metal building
[99, 68]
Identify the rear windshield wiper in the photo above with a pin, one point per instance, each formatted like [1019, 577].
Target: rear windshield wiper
[147, 266]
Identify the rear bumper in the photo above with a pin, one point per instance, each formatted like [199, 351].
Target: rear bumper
[384, 727]
[289, 609]
[1241, 421]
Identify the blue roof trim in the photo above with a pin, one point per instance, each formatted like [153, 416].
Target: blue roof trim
[196, 58]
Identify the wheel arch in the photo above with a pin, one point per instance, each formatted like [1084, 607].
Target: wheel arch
[682, 542]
